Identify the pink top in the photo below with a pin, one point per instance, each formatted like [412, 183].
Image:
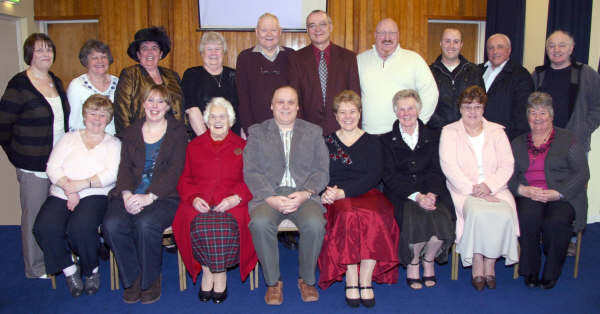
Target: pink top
[535, 175]
[72, 159]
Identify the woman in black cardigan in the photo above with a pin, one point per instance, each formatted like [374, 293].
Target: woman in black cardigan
[415, 184]
[34, 114]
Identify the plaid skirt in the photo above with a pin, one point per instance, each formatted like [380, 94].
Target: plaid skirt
[215, 240]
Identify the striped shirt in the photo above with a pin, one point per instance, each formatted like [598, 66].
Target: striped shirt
[286, 138]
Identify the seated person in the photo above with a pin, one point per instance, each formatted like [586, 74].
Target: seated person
[144, 200]
[476, 158]
[211, 224]
[415, 184]
[286, 165]
[551, 173]
[82, 168]
[361, 232]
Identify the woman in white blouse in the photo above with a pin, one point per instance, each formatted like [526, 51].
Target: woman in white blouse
[82, 168]
[96, 57]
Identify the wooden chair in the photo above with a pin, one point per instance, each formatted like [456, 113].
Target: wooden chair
[114, 270]
[284, 226]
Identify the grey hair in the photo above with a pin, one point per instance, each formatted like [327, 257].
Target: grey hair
[220, 102]
[91, 46]
[502, 36]
[564, 33]
[212, 37]
[318, 11]
[265, 15]
[406, 93]
[540, 100]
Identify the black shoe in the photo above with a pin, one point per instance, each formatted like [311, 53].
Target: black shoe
[428, 278]
[74, 283]
[547, 284]
[219, 297]
[352, 302]
[204, 296]
[92, 283]
[288, 239]
[367, 302]
[532, 281]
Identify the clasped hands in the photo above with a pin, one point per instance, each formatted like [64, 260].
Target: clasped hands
[225, 205]
[135, 203]
[426, 201]
[71, 189]
[538, 194]
[481, 190]
[288, 204]
[332, 194]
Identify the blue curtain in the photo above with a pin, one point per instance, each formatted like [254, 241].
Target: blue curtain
[507, 17]
[574, 17]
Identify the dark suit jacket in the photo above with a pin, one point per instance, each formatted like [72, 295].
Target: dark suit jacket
[264, 160]
[507, 98]
[565, 167]
[169, 162]
[342, 74]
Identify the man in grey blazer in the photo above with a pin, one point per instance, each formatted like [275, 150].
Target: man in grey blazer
[286, 165]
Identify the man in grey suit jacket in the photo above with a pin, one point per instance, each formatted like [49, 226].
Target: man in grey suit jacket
[286, 165]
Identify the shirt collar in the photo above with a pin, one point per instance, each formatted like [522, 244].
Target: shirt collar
[488, 64]
[260, 50]
[390, 56]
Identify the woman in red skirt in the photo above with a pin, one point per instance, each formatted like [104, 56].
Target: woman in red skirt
[361, 231]
[211, 224]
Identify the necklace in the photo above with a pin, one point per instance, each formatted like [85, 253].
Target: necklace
[218, 81]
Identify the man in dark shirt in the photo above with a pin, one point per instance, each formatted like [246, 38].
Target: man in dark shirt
[453, 73]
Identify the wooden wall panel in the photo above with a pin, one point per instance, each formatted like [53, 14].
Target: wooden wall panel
[469, 36]
[67, 67]
[354, 24]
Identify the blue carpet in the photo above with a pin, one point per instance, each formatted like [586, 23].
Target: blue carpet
[582, 295]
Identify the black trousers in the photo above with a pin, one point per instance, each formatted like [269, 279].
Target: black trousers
[58, 231]
[553, 220]
[136, 240]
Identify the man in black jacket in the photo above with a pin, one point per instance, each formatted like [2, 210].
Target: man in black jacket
[453, 73]
[508, 84]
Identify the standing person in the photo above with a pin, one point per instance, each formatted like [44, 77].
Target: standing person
[574, 87]
[551, 172]
[260, 70]
[150, 45]
[202, 83]
[286, 165]
[386, 69]
[96, 57]
[83, 168]
[320, 71]
[211, 224]
[476, 158]
[414, 183]
[145, 199]
[508, 85]
[453, 73]
[34, 113]
[361, 232]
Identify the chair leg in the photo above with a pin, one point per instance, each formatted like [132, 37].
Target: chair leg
[252, 280]
[53, 281]
[577, 255]
[454, 270]
[114, 272]
[256, 276]
[516, 271]
[182, 275]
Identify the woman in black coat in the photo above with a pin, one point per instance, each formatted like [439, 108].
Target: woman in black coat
[415, 184]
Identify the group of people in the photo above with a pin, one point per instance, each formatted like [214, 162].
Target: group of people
[378, 159]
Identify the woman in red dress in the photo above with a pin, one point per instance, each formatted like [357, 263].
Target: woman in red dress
[211, 224]
[361, 230]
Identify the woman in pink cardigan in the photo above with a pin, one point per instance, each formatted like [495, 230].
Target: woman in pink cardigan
[476, 158]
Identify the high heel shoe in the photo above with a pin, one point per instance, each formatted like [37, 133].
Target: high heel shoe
[367, 302]
[428, 278]
[219, 297]
[353, 302]
[411, 281]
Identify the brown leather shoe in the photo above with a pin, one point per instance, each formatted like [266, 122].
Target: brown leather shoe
[274, 295]
[307, 292]
[133, 294]
[490, 282]
[478, 283]
[151, 294]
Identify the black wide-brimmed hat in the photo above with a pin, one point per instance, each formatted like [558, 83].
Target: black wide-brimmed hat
[156, 34]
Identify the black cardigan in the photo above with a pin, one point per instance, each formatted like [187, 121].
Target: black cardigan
[26, 122]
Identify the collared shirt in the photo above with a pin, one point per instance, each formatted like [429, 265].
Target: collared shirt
[490, 74]
[286, 138]
[272, 58]
[411, 141]
[317, 52]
